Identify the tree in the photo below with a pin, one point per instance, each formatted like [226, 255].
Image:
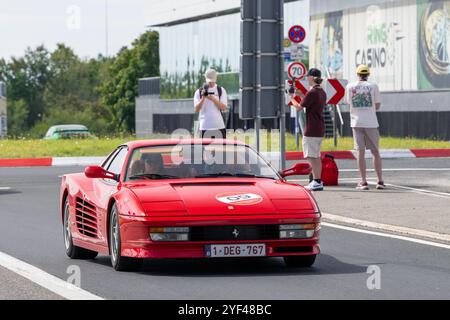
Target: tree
[120, 92]
[49, 88]
[17, 117]
[26, 78]
[72, 95]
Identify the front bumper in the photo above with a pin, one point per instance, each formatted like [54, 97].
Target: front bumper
[136, 241]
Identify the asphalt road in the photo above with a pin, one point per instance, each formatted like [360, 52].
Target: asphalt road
[30, 230]
[15, 287]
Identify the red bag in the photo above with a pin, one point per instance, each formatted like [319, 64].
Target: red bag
[330, 171]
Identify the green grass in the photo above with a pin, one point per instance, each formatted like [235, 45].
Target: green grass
[57, 148]
[22, 148]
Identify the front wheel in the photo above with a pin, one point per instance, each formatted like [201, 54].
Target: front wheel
[300, 261]
[118, 262]
[72, 251]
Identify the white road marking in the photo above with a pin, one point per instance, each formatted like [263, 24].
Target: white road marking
[415, 190]
[5, 188]
[45, 280]
[307, 180]
[76, 161]
[389, 154]
[386, 227]
[386, 235]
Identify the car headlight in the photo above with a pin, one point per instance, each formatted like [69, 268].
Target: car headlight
[297, 231]
[169, 234]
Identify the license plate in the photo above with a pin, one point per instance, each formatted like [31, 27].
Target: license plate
[235, 250]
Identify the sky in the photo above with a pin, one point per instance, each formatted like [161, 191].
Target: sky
[80, 24]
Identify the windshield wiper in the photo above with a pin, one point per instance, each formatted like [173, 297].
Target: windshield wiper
[213, 175]
[236, 175]
[152, 176]
[251, 175]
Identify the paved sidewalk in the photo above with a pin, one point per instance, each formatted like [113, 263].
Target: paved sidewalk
[418, 197]
[394, 207]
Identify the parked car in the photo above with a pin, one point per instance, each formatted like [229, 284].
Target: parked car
[71, 131]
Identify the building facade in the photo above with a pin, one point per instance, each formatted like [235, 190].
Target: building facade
[406, 43]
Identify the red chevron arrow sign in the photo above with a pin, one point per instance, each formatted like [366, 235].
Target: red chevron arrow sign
[335, 89]
[301, 85]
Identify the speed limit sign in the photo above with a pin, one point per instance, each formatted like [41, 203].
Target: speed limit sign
[297, 70]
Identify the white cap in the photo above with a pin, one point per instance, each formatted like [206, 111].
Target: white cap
[211, 75]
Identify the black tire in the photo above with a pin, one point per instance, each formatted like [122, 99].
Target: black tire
[118, 262]
[300, 261]
[74, 252]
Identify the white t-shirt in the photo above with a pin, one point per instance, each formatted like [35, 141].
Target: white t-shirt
[362, 97]
[210, 116]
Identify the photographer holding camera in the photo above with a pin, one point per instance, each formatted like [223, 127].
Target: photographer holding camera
[209, 102]
[313, 103]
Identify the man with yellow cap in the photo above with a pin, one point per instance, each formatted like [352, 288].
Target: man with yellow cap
[365, 100]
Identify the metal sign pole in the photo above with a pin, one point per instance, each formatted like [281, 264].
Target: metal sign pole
[282, 88]
[258, 75]
[297, 129]
[262, 87]
[335, 126]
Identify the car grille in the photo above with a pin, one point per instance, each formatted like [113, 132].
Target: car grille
[235, 233]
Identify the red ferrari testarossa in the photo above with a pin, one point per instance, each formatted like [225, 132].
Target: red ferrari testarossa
[188, 199]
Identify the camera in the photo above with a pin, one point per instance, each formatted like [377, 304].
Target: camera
[292, 89]
[205, 91]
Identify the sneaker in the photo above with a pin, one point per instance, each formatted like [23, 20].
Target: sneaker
[363, 186]
[381, 185]
[315, 186]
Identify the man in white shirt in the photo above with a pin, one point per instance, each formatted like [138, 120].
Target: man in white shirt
[365, 100]
[209, 102]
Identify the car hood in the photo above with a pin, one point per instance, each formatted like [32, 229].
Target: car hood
[223, 197]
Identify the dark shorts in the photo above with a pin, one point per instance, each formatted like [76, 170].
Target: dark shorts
[214, 134]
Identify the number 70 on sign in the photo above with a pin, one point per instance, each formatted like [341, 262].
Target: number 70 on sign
[297, 70]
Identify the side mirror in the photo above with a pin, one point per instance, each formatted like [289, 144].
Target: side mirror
[100, 173]
[300, 169]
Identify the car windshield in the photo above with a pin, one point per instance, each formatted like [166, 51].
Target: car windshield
[197, 161]
[74, 133]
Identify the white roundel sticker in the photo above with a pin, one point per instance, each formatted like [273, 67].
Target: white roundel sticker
[240, 199]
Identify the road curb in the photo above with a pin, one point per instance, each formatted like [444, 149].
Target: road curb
[385, 154]
[290, 156]
[431, 153]
[405, 231]
[37, 162]
[341, 155]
